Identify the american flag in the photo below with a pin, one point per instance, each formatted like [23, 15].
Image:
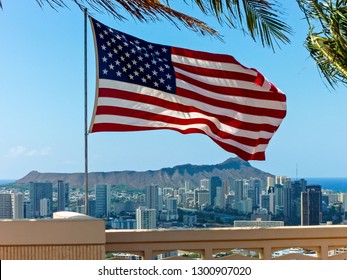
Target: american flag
[147, 86]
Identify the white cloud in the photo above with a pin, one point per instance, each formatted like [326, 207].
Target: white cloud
[21, 151]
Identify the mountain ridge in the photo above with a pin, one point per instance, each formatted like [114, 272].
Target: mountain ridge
[232, 168]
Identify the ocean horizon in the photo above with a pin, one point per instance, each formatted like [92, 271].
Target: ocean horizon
[336, 184]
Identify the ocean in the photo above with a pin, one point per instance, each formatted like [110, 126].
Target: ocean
[335, 184]
[6, 181]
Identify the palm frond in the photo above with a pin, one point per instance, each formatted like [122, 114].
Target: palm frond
[259, 18]
[328, 45]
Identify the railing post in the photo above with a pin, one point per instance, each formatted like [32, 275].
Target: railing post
[265, 253]
[147, 254]
[208, 254]
[324, 252]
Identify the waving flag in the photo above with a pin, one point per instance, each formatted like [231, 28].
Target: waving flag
[147, 86]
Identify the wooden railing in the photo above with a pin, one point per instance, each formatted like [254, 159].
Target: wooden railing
[313, 242]
[72, 236]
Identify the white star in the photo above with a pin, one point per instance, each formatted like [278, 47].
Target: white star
[117, 62]
[127, 54]
[101, 36]
[161, 80]
[156, 84]
[161, 69]
[168, 88]
[105, 71]
[119, 73]
[168, 76]
[144, 80]
[104, 59]
[155, 73]
[134, 61]
[131, 77]
[150, 46]
[111, 66]
[164, 50]
[103, 47]
[124, 69]
[141, 69]
[147, 65]
[136, 73]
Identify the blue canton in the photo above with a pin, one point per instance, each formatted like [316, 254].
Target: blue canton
[126, 58]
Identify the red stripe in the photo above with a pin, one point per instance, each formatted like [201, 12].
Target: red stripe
[107, 110]
[257, 111]
[234, 91]
[205, 56]
[229, 148]
[223, 74]
[104, 92]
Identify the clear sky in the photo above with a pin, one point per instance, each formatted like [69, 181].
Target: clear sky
[42, 99]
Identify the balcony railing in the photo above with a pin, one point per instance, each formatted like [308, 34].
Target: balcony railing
[81, 237]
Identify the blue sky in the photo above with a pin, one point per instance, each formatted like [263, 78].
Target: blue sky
[42, 99]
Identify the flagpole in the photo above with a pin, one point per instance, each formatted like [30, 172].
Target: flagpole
[85, 114]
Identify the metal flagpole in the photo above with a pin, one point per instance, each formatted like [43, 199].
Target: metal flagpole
[85, 115]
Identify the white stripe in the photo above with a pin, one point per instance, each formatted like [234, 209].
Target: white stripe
[109, 101]
[225, 82]
[158, 124]
[247, 101]
[104, 83]
[213, 64]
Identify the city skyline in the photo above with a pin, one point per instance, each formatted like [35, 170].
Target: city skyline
[42, 99]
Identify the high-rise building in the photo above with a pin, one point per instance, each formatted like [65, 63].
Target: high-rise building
[205, 184]
[239, 192]
[45, 207]
[17, 205]
[40, 191]
[256, 186]
[215, 183]
[5, 206]
[201, 197]
[311, 201]
[102, 201]
[172, 210]
[63, 195]
[270, 182]
[146, 218]
[292, 201]
[152, 198]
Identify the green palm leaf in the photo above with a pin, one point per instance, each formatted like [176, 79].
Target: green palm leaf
[260, 17]
[328, 45]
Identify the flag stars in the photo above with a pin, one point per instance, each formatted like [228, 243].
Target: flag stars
[134, 61]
